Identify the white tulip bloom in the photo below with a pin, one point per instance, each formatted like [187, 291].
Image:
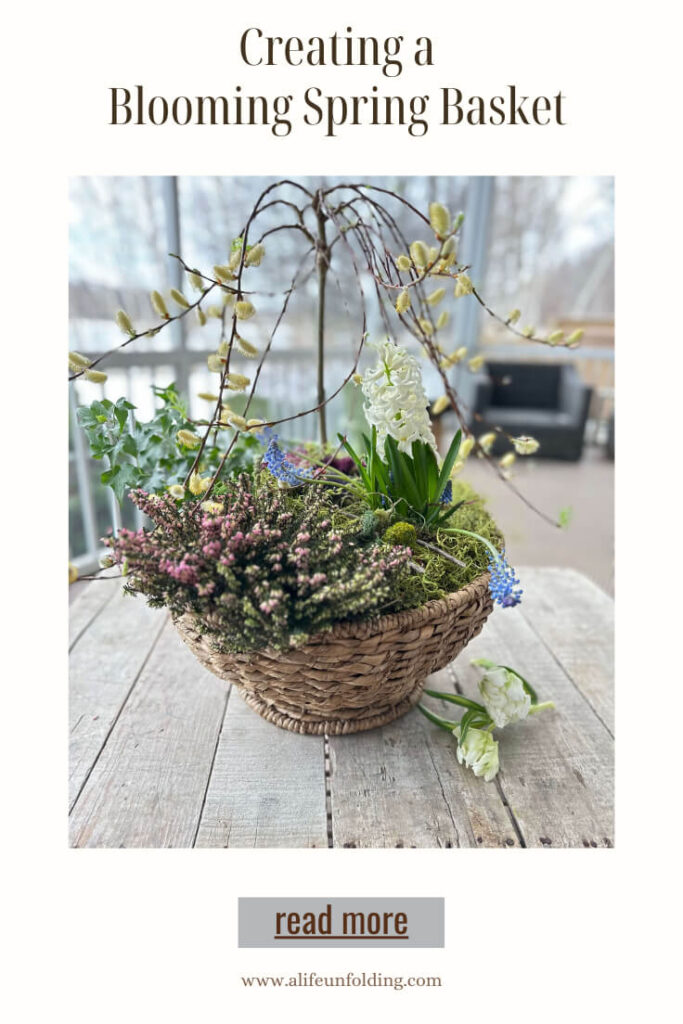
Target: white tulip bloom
[503, 695]
[479, 751]
[395, 400]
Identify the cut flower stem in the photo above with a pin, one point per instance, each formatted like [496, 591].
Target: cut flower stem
[546, 705]
[437, 719]
[455, 698]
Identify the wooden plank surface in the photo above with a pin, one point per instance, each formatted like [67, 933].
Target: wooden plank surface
[556, 769]
[89, 603]
[575, 620]
[401, 786]
[148, 785]
[159, 761]
[267, 786]
[104, 664]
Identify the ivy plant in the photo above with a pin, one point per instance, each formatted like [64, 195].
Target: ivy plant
[147, 455]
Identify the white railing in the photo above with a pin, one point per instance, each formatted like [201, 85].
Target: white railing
[287, 379]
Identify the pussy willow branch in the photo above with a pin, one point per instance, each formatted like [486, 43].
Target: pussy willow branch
[233, 325]
[213, 282]
[293, 287]
[299, 211]
[416, 278]
[295, 283]
[264, 355]
[288, 227]
[368, 233]
[363, 335]
[376, 188]
[400, 241]
[369, 253]
[513, 329]
[457, 406]
[223, 285]
[325, 400]
[142, 334]
[503, 321]
[427, 343]
[322, 261]
[299, 415]
[349, 375]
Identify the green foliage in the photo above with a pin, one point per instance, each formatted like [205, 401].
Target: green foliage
[414, 485]
[442, 576]
[147, 455]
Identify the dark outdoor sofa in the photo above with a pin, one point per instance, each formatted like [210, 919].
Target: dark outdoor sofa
[548, 401]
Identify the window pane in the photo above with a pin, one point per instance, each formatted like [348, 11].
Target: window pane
[551, 250]
[118, 252]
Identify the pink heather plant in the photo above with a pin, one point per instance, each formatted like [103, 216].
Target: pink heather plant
[269, 570]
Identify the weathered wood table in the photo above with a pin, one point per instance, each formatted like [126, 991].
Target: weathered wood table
[163, 756]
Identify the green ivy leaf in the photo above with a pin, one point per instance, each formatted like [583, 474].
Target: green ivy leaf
[124, 481]
[109, 474]
[85, 416]
[130, 446]
[121, 417]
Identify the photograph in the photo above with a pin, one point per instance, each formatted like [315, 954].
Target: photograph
[341, 511]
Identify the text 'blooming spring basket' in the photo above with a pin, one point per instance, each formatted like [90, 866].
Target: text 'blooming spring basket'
[357, 676]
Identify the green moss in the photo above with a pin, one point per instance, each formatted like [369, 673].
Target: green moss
[441, 576]
[348, 514]
[401, 533]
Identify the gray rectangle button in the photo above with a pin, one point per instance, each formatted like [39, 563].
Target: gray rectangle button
[306, 922]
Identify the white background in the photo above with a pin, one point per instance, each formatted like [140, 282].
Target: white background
[151, 935]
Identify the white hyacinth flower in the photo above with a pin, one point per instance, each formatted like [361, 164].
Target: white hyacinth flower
[395, 399]
[478, 751]
[503, 695]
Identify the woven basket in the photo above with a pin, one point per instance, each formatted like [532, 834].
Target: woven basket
[357, 676]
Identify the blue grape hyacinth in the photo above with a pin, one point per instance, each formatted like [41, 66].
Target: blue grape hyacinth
[265, 435]
[504, 583]
[281, 468]
[447, 494]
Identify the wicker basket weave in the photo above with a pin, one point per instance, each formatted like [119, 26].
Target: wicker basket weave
[357, 676]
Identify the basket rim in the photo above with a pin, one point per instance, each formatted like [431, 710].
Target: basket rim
[360, 629]
[410, 617]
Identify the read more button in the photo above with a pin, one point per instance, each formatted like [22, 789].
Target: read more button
[403, 921]
[373, 924]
